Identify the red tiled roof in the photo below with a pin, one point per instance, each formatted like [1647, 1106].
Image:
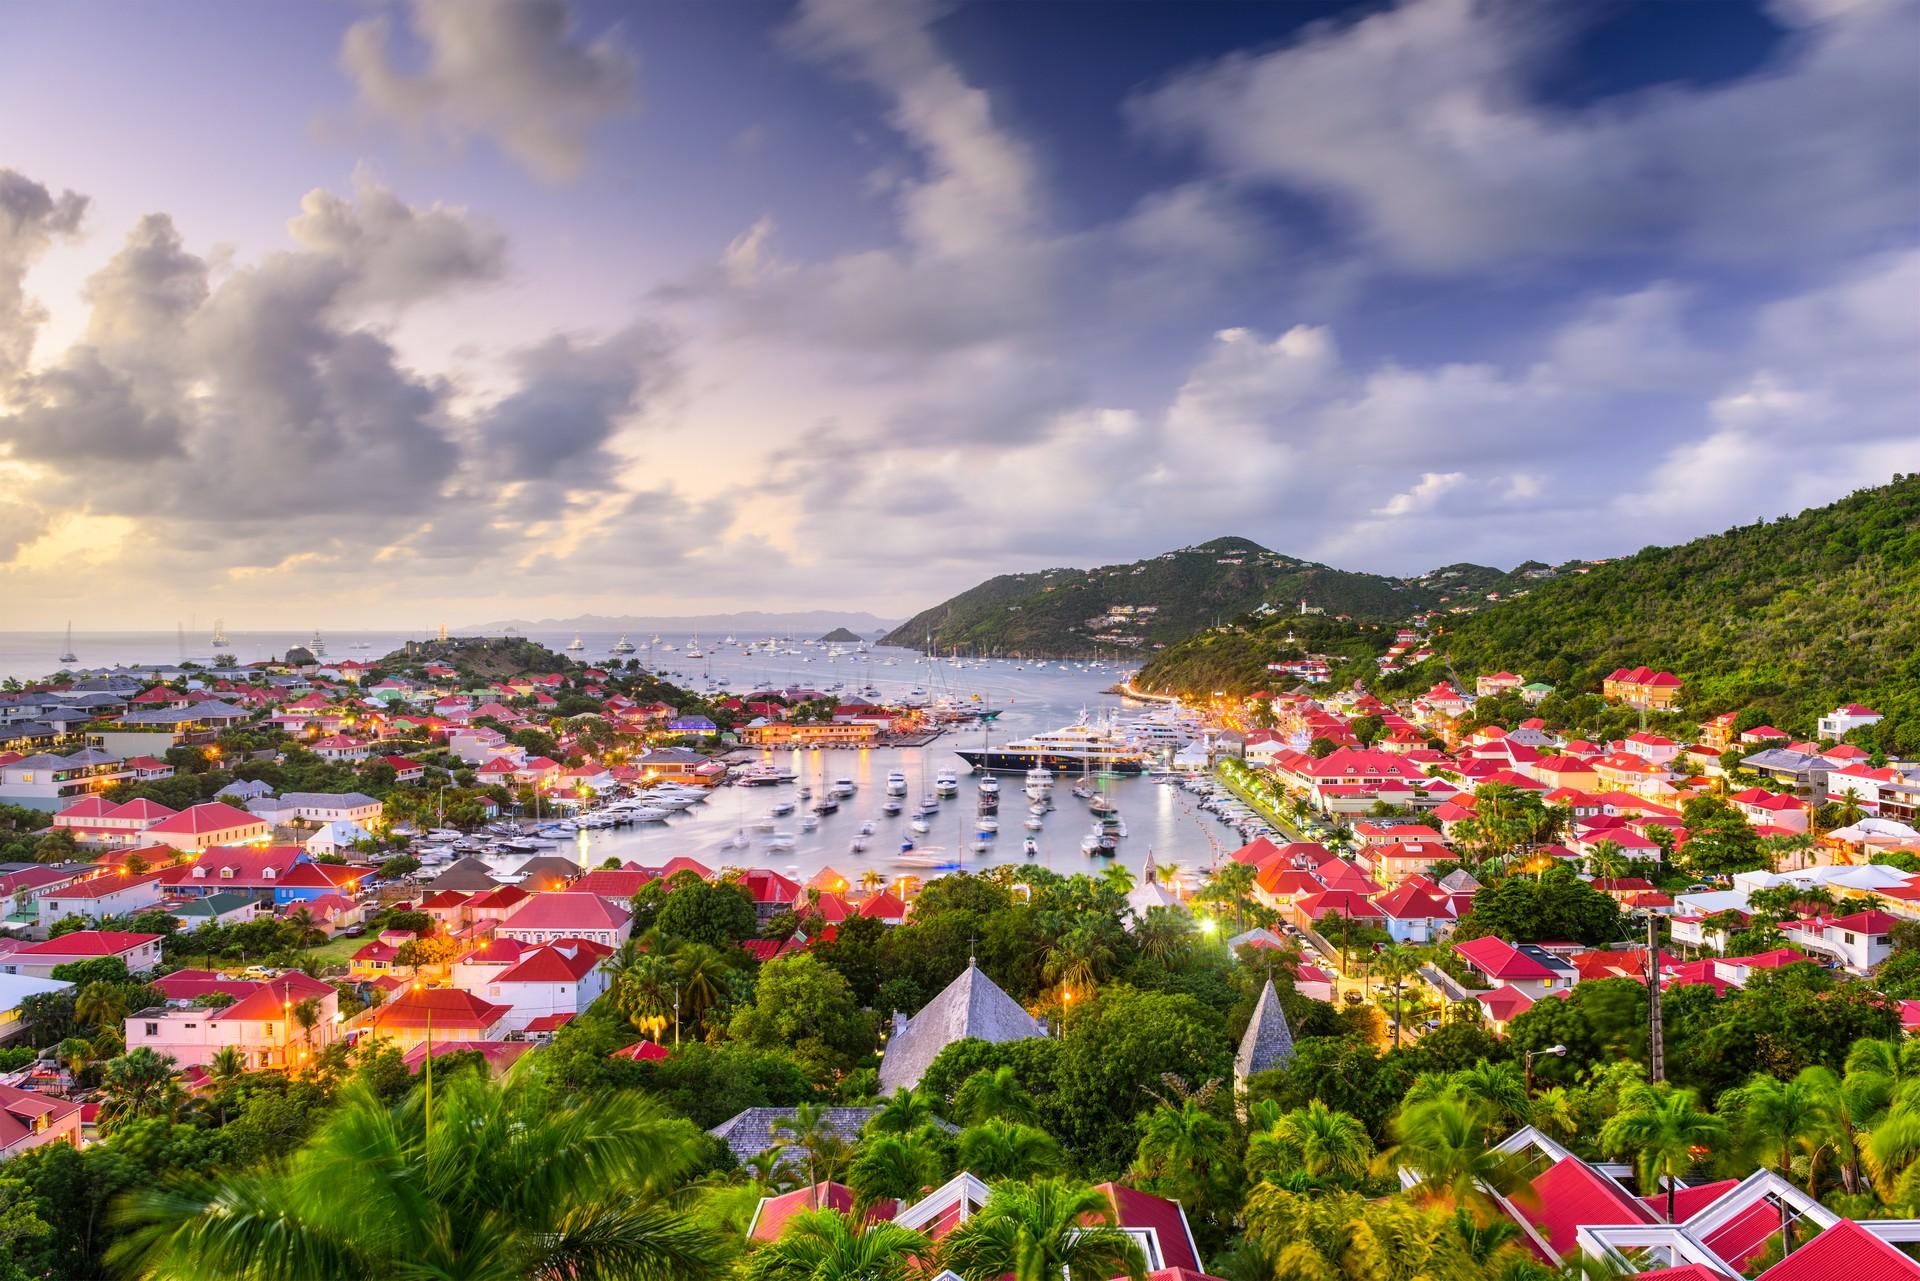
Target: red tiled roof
[1500, 959]
[566, 961]
[1570, 1194]
[210, 816]
[451, 1008]
[550, 1022]
[568, 911]
[641, 1052]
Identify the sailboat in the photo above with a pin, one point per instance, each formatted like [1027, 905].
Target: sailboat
[319, 646]
[220, 634]
[576, 645]
[693, 650]
[66, 651]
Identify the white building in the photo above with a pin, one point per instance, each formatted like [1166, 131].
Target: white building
[1836, 723]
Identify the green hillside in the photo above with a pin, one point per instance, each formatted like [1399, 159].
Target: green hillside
[1172, 596]
[1233, 659]
[1789, 617]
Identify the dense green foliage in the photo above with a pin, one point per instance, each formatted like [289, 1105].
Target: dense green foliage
[1794, 617]
[1047, 613]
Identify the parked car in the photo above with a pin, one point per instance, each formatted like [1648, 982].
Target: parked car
[354, 931]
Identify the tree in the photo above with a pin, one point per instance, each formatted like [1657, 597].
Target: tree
[525, 1180]
[1393, 965]
[703, 971]
[1660, 1126]
[1719, 839]
[1344, 1237]
[101, 1004]
[720, 913]
[811, 1130]
[1041, 1231]
[1557, 905]
[1444, 1141]
[898, 1166]
[902, 1113]
[802, 1004]
[1184, 1150]
[821, 1245]
[997, 1149]
[137, 1084]
[993, 1093]
[1315, 1139]
[641, 987]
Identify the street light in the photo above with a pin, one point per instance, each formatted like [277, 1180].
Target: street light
[1559, 1050]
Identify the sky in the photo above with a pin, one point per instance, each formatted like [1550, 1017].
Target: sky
[365, 314]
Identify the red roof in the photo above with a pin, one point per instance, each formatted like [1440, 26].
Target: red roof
[1136, 1209]
[209, 816]
[1504, 1003]
[1255, 852]
[1501, 960]
[886, 905]
[450, 1009]
[270, 1000]
[566, 961]
[1348, 903]
[567, 911]
[1570, 1194]
[1844, 1250]
[87, 943]
[641, 1052]
[771, 1219]
[550, 1022]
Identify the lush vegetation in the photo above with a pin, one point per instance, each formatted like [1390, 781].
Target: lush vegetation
[1790, 618]
[1233, 659]
[1047, 613]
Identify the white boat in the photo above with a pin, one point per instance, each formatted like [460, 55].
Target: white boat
[989, 785]
[1033, 823]
[576, 644]
[946, 783]
[857, 845]
[220, 640]
[896, 782]
[920, 824]
[781, 809]
[808, 822]
[66, 651]
[985, 825]
[868, 828]
[623, 645]
[1031, 848]
[1039, 783]
[779, 840]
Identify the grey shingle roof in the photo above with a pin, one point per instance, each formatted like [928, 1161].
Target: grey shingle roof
[542, 868]
[971, 1006]
[1268, 1042]
[465, 874]
[751, 1132]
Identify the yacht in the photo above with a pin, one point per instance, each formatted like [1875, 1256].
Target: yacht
[575, 645]
[763, 775]
[220, 640]
[896, 782]
[693, 647]
[946, 783]
[1073, 747]
[986, 825]
[623, 645]
[1039, 783]
[1034, 823]
[892, 807]
[989, 785]
[842, 787]
[1031, 848]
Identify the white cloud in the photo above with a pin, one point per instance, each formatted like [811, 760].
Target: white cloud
[1424, 495]
[515, 72]
[1419, 124]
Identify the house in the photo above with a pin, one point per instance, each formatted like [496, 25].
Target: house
[405, 769]
[1498, 683]
[207, 825]
[1393, 863]
[447, 1013]
[496, 904]
[1763, 809]
[15, 988]
[99, 822]
[1525, 966]
[337, 837]
[1801, 770]
[320, 808]
[256, 869]
[546, 918]
[229, 908]
[1860, 941]
[261, 1023]
[1416, 912]
[32, 1120]
[1841, 721]
[1502, 1005]
[1642, 687]
[560, 978]
[141, 952]
[971, 1006]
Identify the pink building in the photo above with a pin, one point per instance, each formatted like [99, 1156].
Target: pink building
[260, 1023]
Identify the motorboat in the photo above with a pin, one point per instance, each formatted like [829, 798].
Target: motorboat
[842, 787]
[1033, 823]
[897, 783]
[808, 822]
[779, 841]
[763, 775]
[1030, 848]
[868, 828]
[892, 808]
[1039, 783]
[920, 824]
[826, 805]
[989, 785]
[986, 825]
[781, 809]
[946, 783]
[622, 646]
[575, 645]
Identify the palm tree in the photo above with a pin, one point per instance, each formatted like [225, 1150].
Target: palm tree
[525, 1180]
[306, 1013]
[1444, 1142]
[872, 879]
[1183, 1150]
[1395, 964]
[308, 931]
[137, 1084]
[101, 1004]
[1772, 1119]
[1319, 1140]
[821, 1245]
[1344, 1237]
[1165, 934]
[1849, 1105]
[1076, 960]
[702, 970]
[997, 1149]
[1607, 859]
[227, 1065]
[904, 1113]
[1232, 883]
[811, 1130]
[1042, 1231]
[1661, 1126]
[900, 1166]
[1500, 1088]
[993, 1093]
[641, 984]
[1118, 879]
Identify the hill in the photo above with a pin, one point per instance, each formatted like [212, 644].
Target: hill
[479, 658]
[841, 636]
[1161, 600]
[1790, 617]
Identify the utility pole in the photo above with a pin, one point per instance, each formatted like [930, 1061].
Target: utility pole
[1656, 1036]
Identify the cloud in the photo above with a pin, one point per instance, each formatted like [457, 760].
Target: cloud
[396, 253]
[514, 72]
[1424, 496]
[31, 218]
[1417, 125]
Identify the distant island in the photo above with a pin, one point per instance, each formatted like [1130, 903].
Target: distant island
[804, 622]
[1145, 605]
[841, 636]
